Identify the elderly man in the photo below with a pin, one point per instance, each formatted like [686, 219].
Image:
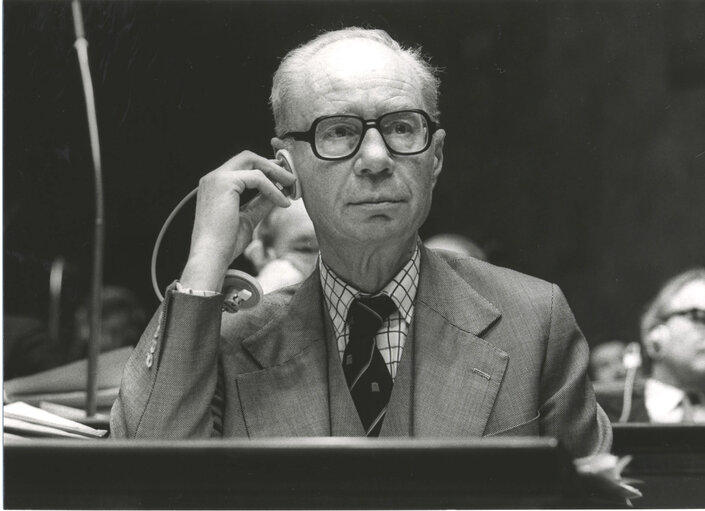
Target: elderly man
[673, 338]
[386, 337]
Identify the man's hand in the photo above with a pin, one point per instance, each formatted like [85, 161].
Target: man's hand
[220, 230]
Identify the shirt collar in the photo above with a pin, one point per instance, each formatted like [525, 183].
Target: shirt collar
[661, 398]
[339, 295]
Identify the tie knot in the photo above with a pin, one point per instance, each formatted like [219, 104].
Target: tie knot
[370, 311]
[695, 398]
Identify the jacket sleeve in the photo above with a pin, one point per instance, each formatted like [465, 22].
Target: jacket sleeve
[169, 381]
[569, 410]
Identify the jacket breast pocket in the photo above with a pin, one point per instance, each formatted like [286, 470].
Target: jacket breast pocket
[528, 428]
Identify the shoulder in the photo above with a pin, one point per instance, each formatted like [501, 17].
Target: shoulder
[501, 286]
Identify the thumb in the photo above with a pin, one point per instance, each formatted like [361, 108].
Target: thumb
[253, 212]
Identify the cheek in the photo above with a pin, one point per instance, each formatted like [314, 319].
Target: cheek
[422, 188]
[320, 201]
[687, 344]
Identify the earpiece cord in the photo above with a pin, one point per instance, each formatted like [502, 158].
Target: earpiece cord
[283, 158]
[628, 391]
[158, 242]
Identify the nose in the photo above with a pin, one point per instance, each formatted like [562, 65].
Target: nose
[373, 157]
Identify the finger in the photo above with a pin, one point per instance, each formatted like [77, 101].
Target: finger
[273, 170]
[255, 179]
[255, 211]
[249, 161]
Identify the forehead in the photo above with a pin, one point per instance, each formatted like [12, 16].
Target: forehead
[690, 296]
[356, 76]
[608, 352]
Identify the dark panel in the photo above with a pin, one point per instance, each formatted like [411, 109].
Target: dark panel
[306, 474]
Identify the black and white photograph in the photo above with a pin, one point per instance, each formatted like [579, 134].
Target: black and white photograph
[373, 254]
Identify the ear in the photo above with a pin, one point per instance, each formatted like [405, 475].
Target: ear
[438, 141]
[277, 143]
[655, 340]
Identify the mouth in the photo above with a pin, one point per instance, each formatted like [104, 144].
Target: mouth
[376, 201]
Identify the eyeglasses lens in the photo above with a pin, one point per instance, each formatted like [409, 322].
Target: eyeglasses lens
[697, 316]
[403, 132]
[338, 136]
[694, 315]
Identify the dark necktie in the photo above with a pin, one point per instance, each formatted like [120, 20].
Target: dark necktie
[365, 371]
[690, 401]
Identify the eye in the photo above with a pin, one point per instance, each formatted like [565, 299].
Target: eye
[337, 129]
[340, 131]
[402, 128]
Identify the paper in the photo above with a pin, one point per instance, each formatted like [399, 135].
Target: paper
[22, 416]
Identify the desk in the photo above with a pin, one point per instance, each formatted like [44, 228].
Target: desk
[304, 474]
[669, 459]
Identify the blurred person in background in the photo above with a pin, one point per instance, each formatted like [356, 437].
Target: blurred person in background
[456, 243]
[34, 339]
[673, 340]
[27, 347]
[606, 362]
[122, 323]
[284, 249]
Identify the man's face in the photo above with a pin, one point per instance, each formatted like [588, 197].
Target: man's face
[606, 362]
[684, 350]
[293, 231]
[295, 237]
[373, 197]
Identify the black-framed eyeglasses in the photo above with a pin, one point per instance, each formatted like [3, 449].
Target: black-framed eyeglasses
[695, 315]
[337, 137]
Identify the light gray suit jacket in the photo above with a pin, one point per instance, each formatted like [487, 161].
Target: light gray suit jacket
[490, 352]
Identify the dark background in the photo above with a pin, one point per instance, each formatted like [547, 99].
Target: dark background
[575, 148]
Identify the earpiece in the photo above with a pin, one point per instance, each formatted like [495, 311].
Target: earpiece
[241, 290]
[285, 160]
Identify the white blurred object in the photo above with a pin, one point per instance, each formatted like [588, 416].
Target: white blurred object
[278, 274]
[603, 472]
[456, 243]
[631, 359]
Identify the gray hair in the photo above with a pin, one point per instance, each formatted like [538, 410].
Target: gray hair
[289, 70]
[656, 310]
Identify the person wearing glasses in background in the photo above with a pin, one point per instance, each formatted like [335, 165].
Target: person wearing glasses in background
[386, 337]
[673, 340]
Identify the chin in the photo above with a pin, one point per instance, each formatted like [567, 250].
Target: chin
[382, 236]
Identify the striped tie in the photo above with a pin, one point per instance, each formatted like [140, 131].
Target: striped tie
[365, 371]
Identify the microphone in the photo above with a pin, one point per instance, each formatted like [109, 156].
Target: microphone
[631, 358]
[81, 46]
[78, 27]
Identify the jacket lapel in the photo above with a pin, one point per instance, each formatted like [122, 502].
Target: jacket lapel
[458, 374]
[289, 396]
